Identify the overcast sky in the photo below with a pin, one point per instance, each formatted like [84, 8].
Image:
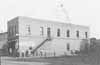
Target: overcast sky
[81, 12]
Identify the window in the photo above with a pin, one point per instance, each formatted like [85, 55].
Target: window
[41, 54]
[86, 35]
[48, 32]
[58, 32]
[77, 34]
[22, 54]
[9, 32]
[28, 29]
[12, 30]
[68, 33]
[36, 53]
[15, 29]
[68, 46]
[41, 30]
[30, 48]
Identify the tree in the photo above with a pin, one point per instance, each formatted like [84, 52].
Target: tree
[92, 51]
[84, 46]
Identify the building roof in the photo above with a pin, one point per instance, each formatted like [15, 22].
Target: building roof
[3, 33]
[49, 21]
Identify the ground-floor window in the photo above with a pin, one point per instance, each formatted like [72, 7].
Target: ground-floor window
[22, 54]
[54, 53]
[45, 54]
[68, 46]
[41, 54]
[26, 54]
[36, 53]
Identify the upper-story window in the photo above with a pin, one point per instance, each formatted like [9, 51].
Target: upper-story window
[48, 31]
[68, 33]
[12, 30]
[58, 32]
[86, 34]
[15, 29]
[9, 31]
[41, 31]
[77, 34]
[28, 29]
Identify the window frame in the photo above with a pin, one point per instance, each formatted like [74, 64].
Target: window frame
[77, 34]
[68, 46]
[28, 29]
[41, 30]
[68, 33]
[86, 34]
[58, 32]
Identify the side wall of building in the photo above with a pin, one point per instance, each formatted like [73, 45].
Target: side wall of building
[30, 35]
[13, 30]
[32, 27]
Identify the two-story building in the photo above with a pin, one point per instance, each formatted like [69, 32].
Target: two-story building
[3, 43]
[36, 37]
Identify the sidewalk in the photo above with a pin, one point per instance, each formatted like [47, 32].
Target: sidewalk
[7, 61]
[22, 63]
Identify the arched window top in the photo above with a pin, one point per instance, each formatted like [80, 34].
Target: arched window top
[58, 29]
[77, 31]
[68, 30]
[48, 28]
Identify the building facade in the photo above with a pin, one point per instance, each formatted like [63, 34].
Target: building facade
[3, 44]
[35, 37]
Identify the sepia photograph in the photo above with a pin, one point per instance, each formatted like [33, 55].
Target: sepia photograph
[49, 32]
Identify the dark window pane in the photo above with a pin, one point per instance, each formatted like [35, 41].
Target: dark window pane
[41, 31]
[28, 29]
[68, 46]
[86, 35]
[68, 33]
[77, 34]
[48, 32]
[58, 32]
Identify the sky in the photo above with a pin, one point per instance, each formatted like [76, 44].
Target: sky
[81, 12]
